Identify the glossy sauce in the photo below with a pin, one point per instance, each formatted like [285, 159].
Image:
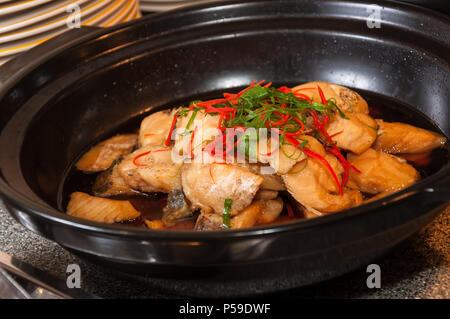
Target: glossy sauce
[151, 205]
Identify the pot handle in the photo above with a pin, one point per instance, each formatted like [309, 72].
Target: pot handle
[422, 199]
[418, 204]
[442, 187]
[35, 55]
[439, 195]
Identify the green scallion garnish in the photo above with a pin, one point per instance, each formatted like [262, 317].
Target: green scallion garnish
[191, 120]
[226, 213]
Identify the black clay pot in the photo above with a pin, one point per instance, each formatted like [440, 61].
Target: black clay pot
[77, 88]
[437, 5]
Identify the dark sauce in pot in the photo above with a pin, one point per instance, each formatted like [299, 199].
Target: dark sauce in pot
[151, 205]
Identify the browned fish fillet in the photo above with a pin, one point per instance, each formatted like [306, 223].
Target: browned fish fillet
[396, 138]
[271, 209]
[110, 183]
[381, 172]
[312, 186]
[103, 155]
[346, 99]
[100, 210]
[357, 133]
[248, 217]
[151, 169]
[155, 128]
[207, 186]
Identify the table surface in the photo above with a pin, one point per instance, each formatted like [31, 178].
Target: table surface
[418, 269]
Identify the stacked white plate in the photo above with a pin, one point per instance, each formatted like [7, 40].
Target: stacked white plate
[25, 24]
[163, 5]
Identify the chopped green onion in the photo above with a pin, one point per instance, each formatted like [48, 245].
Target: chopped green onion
[248, 146]
[226, 213]
[256, 93]
[191, 120]
[332, 102]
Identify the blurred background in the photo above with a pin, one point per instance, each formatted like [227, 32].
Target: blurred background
[25, 24]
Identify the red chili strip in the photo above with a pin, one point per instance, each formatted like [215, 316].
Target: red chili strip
[211, 102]
[354, 167]
[138, 157]
[335, 151]
[314, 115]
[325, 121]
[278, 123]
[229, 96]
[169, 137]
[146, 153]
[223, 109]
[322, 96]
[284, 89]
[192, 141]
[301, 96]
